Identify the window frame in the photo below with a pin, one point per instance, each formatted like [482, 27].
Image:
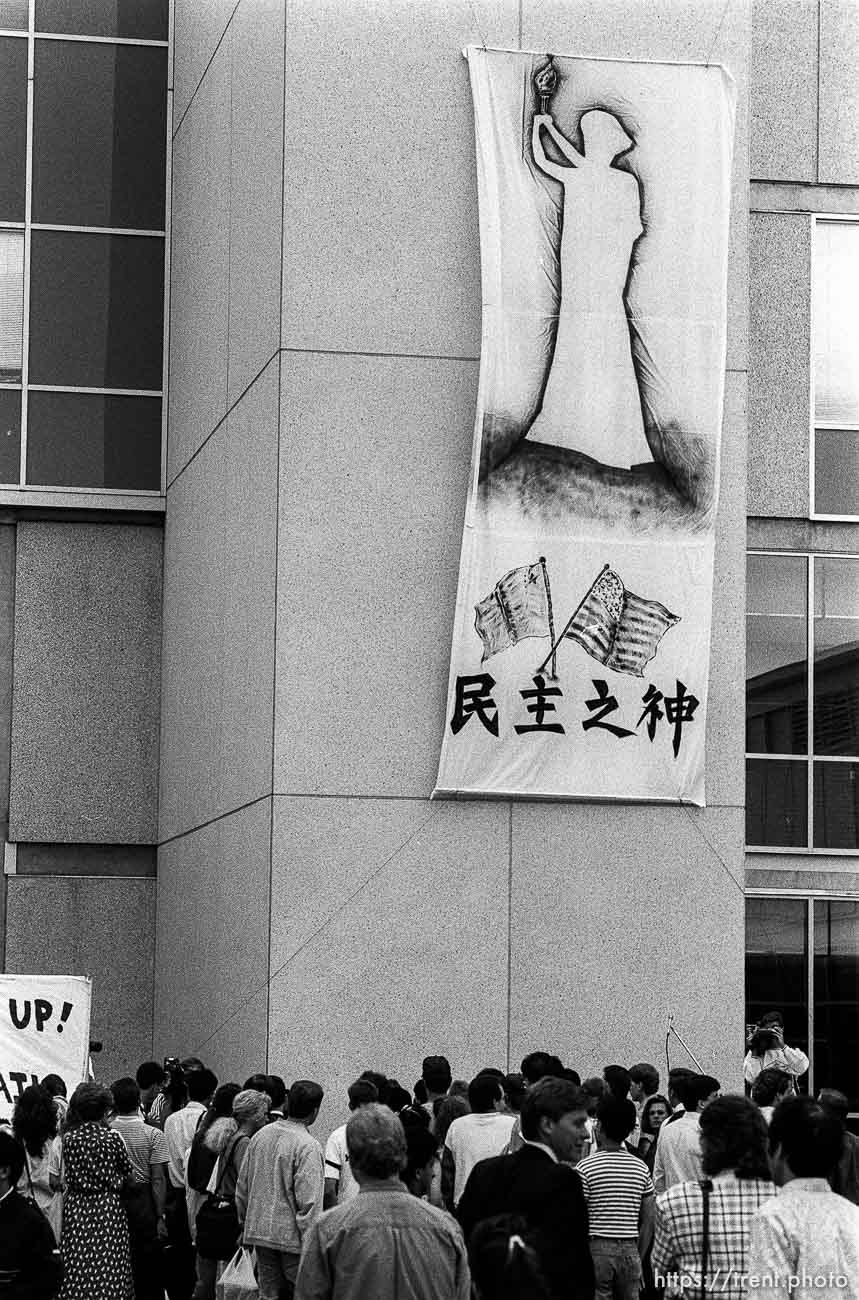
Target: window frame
[61, 496]
[809, 758]
[823, 218]
[809, 897]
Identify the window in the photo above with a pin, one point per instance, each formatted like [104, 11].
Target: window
[802, 958]
[835, 346]
[82, 245]
[802, 702]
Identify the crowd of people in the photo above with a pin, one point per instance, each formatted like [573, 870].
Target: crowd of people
[535, 1185]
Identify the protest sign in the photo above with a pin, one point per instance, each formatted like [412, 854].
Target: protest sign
[44, 1029]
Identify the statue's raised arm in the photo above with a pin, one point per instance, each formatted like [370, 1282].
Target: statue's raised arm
[543, 121]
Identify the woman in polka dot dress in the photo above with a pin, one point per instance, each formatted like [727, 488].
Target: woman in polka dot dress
[95, 1243]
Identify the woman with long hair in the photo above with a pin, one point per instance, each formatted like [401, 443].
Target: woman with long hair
[504, 1264]
[95, 1242]
[34, 1124]
[653, 1115]
[736, 1184]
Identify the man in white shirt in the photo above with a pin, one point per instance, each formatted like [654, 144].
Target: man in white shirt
[340, 1185]
[678, 1147]
[478, 1136]
[805, 1241]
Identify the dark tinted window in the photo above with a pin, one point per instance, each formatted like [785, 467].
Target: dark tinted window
[144, 19]
[99, 135]
[10, 435]
[13, 15]
[13, 137]
[96, 310]
[776, 803]
[84, 440]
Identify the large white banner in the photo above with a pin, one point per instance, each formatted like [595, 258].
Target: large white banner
[44, 1029]
[580, 657]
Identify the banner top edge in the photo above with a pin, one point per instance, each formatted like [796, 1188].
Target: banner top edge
[467, 50]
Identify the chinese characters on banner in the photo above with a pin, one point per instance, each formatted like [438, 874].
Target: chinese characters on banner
[44, 1029]
[580, 657]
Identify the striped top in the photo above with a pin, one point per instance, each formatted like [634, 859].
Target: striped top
[615, 1183]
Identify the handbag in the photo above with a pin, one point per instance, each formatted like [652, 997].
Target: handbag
[238, 1280]
[217, 1220]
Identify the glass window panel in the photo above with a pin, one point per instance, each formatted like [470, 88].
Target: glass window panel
[96, 310]
[776, 655]
[836, 997]
[776, 803]
[836, 655]
[13, 15]
[835, 313]
[10, 435]
[11, 305]
[145, 20]
[84, 440]
[836, 805]
[13, 137]
[777, 964]
[99, 135]
[836, 471]
[141, 20]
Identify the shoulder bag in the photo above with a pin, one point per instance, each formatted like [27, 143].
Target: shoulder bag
[218, 1219]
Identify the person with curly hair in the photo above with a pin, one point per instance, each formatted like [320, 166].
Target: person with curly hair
[736, 1184]
[34, 1123]
[95, 1243]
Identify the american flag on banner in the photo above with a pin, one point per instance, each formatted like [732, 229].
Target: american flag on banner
[618, 628]
[517, 606]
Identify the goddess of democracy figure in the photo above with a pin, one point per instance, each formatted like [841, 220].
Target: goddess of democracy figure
[591, 403]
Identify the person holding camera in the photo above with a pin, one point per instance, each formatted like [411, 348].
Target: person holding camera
[767, 1050]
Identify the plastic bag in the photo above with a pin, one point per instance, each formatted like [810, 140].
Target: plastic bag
[238, 1280]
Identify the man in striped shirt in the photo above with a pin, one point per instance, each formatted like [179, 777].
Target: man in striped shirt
[619, 1192]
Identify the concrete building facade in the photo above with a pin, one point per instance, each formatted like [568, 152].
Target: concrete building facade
[220, 801]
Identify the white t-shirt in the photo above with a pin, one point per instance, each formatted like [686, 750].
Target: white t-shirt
[337, 1166]
[476, 1137]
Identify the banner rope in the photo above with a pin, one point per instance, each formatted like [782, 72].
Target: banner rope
[718, 30]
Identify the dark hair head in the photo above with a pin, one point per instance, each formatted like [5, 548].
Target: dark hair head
[772, 1018]
[34, 1120]
[148, 1075]
[11, 1155]
[305, 1097]
[514, 1091]
[126, 1095]
[255, 1082]
[201, 1084]
[810, 1139]
[412, 1116]
[617, 1078]
[275, 1087]
[420, 1150]
[376, 1141]
[436, 1074]
[56, 1086]
[450, 1109]
[90, 1103]
[734, 1136]
[361, 1093]
[483, 1092]
[540, 1065]
[687, 1087]
[707, 1085]
[770, 1084]
[189, 1063]
[571, 1076]
[504, 1264]
[420, 1092]
[379, 1081]
[549, 1098]
[646, 1075]
[834, 1103]
[594, 1090]
[396, 1096]
[646, 1123]
[616, 1117]
[222, 1102]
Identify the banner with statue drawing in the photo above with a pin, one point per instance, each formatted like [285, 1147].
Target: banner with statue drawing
[580, 658]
